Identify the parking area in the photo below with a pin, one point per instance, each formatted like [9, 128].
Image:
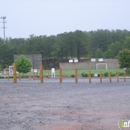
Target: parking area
[30, 105]
[66, 80]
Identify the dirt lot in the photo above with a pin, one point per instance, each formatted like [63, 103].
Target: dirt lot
[67, 106]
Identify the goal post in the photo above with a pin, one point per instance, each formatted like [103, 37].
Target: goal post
[101, 66]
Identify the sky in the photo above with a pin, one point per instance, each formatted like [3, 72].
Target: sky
[52, 17]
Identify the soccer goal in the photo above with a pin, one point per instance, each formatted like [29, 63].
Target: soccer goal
[101, 66]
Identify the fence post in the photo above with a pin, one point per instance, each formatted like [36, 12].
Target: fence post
[60, 75]
[76, 75]
[8, 75]
[100, 77]
[14, 73]
[110, 77]
[41, 74]
[89, 76]
[124, 76]
[117, 75]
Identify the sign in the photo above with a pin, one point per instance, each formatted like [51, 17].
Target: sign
[35, 70]
[70, 61]
[93, 60]
[75, 60]
[100, 59]
[10, 69]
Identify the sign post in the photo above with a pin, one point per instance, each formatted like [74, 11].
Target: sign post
[89, 76]
[41, 73]
[76, 75]
[60, 74]
[100, 77]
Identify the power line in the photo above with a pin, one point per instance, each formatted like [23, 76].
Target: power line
[3, 21]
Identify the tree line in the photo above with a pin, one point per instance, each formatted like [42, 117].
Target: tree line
[78, 44]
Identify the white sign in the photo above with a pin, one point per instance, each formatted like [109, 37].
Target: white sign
[35, 70]
[75, 60]
[93, 60]
[10, 69]
[70, 61]
[100, 59]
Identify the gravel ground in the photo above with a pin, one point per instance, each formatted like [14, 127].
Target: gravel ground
[67, 106]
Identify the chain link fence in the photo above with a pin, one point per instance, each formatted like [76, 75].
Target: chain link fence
[36, 59]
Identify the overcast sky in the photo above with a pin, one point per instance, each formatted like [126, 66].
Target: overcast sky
[51, 17]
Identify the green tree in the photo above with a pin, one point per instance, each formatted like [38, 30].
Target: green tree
[126, 43]
[23, 64]
[113, 50]
[99, 53]
[0, 67]
[124, 59]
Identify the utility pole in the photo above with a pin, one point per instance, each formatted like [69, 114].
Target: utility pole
[3, 21]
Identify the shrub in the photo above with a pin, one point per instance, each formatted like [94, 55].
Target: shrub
[113, 74]
[92, 74]
[98, 74]
[24, 76]
[10, 76]
[105, 74]
[1, 77]
[84, 74]
[72, 75]
[121, 73]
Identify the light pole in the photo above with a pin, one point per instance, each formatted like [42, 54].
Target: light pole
[3, 17]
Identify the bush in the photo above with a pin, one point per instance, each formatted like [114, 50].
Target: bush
[113, 74]
[72, 75]
[1, 77]
[24, 76]
[84, 74]
[10, 76]
[92, 74]
[121, 73]
[98, 74]
[105, 74]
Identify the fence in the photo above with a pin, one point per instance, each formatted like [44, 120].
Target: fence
[36, 59]
[76, 76]
[90, 65]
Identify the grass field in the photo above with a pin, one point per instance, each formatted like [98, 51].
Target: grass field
[69, 72]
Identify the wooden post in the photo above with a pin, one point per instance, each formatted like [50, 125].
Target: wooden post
[14, 73]
[110, 77]
[100, 77]
[41, 74]
[117, 75]
[124, 76]
[8, 75]
[60, 74]
[89, 76]
[76, 75]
